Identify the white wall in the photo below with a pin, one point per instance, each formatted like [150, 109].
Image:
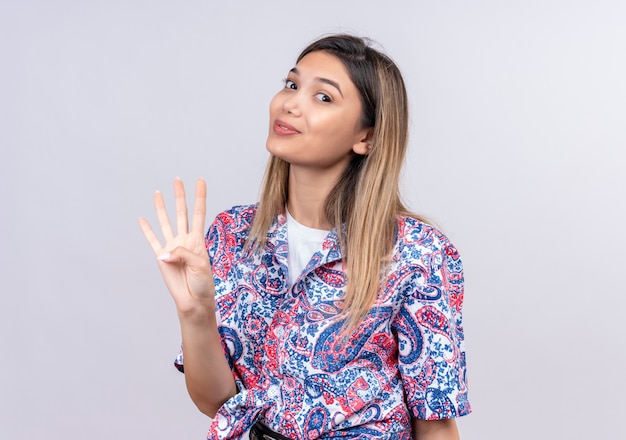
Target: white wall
[518, 112]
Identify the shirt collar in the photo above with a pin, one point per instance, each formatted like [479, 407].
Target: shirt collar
[277, 245]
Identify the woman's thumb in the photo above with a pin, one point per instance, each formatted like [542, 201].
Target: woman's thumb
[180, 255]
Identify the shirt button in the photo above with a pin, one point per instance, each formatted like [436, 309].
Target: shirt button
[272, 391]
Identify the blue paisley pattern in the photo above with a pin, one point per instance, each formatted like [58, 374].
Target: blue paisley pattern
[295, 371]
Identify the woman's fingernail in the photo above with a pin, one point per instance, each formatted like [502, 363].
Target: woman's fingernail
[164, 257]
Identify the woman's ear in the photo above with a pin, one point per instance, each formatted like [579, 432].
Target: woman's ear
[364, 145]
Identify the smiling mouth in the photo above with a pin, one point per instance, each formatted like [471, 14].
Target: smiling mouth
[283, 128]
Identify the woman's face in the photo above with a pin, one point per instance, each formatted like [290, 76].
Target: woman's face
[315, 118]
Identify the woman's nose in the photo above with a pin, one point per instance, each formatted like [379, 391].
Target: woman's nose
[292, 105]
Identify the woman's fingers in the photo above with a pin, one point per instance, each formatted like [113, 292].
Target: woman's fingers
[199, 209]
[181, 236]
[182, 224]
[151, 237]
[164, 220]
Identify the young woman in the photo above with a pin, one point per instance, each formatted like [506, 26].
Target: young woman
[327, 309]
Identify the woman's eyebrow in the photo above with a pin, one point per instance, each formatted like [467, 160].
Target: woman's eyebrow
[322, 80]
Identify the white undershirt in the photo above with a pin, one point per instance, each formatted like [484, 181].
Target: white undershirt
[303, 243]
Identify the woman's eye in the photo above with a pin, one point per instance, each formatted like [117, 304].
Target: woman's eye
[289, 84]
[323, 97]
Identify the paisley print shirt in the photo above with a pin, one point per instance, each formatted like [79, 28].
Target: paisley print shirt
[293, 369]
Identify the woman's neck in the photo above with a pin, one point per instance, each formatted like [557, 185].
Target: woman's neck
[308, 190]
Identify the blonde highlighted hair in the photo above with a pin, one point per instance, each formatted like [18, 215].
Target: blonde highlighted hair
[366, 197]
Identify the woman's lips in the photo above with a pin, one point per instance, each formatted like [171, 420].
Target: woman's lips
[283, 129]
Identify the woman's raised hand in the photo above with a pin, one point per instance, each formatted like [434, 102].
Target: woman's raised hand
[183, 258]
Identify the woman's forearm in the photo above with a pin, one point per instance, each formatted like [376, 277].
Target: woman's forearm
[435, 429]
[207, 374]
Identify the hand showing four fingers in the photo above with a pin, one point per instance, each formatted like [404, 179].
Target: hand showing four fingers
[182, 257]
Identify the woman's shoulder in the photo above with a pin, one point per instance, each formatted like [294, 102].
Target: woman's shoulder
[238, 213]
[415, 232]
[236, 220]
[422, 245]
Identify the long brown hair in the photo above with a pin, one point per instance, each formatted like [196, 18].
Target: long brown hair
[366, 197]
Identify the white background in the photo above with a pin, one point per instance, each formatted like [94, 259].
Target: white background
[518, 114]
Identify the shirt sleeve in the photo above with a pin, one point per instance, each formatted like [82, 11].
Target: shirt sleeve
[429, 326]
[178, 362]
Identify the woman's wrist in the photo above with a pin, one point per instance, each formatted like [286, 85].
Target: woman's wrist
[202, 316]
